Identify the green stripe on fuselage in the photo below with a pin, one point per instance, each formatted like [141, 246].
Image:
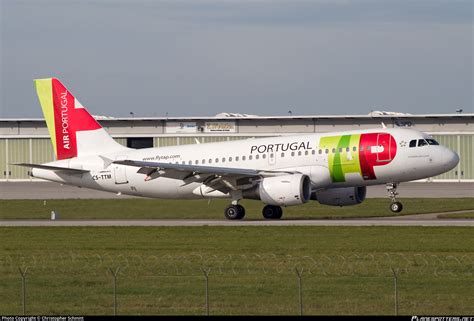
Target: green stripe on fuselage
[342, 161]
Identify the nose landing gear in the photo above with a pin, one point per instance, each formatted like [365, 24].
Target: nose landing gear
[395, 206]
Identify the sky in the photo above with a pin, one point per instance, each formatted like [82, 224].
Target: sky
[202, 57]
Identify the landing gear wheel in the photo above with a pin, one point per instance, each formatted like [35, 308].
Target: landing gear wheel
[234, 212]
[396, 207]
[272, 212]
[241, 211]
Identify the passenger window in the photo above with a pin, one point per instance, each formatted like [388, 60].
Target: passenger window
[196, 162]
[257, 156]
[243, 158]
[320, 151]
[347, 149]
[292, 153]
[223, 159]
[313, 152]
[203, 161]
[340, 150]
[327, 151]
[422, 142]
[217, 160]
[271, 155]
[236, 158]
[432, 141]
[354, 149]
[282, 154]
[413, 143]
[264, 156]
[306, 152]
[230, 159]
[250, 157]
[333, 150]
[190, 162]
[299, 153]
[210, 160]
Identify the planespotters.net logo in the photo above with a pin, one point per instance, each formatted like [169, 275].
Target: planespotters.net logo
[415, 318]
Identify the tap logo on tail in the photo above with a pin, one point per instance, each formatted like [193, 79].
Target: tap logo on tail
[64, 115]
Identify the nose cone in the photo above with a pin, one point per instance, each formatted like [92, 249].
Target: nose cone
[451, 160]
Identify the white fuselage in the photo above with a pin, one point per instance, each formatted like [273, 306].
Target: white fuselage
[328, 166]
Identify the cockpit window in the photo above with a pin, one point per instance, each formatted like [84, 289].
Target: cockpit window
[422, 142]
[432, 141]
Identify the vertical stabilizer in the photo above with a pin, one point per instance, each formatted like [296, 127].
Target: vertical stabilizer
[73, 131]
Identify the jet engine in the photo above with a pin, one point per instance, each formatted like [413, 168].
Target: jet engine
[283, 190]
[340, 196]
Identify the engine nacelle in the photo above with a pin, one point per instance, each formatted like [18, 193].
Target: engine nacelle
[341, 196]
[284, 190]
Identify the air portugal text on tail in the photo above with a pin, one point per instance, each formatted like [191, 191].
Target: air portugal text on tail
[331, 168]
[73, 130]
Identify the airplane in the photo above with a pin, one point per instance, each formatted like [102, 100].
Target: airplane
[332, 168]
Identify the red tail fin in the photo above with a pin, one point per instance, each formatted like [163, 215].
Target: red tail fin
[74, 132]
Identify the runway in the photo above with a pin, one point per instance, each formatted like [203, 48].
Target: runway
[408, 220]
[48, 190]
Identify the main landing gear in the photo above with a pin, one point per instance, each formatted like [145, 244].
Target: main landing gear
[395, 206]
[272, 212]
[234, 212]
[237, 212]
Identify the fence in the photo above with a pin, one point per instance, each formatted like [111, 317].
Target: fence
[267, 283]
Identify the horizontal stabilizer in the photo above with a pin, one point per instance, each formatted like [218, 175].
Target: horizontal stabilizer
[54, 168]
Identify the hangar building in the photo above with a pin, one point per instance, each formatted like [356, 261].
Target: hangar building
[27, 140]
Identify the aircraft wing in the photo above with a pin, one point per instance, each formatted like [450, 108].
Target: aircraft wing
[223, 179]
[153, 166]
